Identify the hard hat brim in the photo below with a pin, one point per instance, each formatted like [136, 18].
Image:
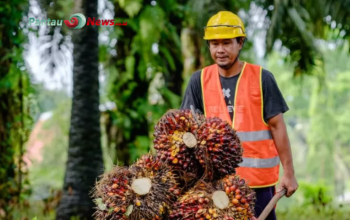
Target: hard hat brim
[223, 32]
[223, 37]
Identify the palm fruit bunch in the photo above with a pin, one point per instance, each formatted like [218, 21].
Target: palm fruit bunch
[175, 141]
[220, 145]
[112, 194]
[228, 199]
[191, 142]
[143, 191]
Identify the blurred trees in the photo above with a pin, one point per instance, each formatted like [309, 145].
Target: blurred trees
[298, 25]
[127, 71]
[295, 25]
[329, 111]
[136, 63]
[14, 105]
[55, 41]
[318, 118]
[146, 65]
[85, 161]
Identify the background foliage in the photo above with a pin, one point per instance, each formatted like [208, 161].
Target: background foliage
[144, 68]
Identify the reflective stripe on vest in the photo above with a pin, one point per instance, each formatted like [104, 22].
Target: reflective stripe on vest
[260, 166]
[256, 162]
[260, 163]
[254, 135]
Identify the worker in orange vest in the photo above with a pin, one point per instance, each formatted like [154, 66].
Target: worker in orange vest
[247, 97]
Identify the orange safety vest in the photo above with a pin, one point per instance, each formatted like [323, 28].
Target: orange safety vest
[260, 166]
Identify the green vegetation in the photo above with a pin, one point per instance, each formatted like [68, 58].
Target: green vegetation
[146, 66]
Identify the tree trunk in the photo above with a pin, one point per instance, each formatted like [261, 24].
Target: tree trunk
[85, 161]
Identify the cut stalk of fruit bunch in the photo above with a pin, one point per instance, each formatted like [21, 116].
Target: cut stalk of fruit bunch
[228, 198]
[220, 199]
[155, 186]
[189, 139]
[145, 190]
[141, 186]
[176, 138]
[220, 150]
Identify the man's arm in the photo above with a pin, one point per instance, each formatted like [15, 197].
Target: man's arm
[280, 137]
[274, 107]
[193, 94]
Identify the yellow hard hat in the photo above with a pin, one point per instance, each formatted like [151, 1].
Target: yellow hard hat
[222, 25]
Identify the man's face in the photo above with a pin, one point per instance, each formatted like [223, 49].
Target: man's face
[224, 51]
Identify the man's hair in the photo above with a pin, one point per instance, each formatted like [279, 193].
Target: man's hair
[240, 39]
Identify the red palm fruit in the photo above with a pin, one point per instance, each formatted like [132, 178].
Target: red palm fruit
[145, 190]
[220, 203]
[233, 187]
[240, 192]
[112, 183]
[176, 137]
[221, 146]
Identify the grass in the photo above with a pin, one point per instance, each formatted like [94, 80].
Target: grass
[315, 213]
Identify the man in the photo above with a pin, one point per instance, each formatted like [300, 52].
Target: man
[246, 96]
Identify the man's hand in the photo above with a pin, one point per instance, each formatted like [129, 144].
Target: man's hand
[289, 183]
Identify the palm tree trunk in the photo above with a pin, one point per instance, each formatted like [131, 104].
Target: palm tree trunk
[85, 161]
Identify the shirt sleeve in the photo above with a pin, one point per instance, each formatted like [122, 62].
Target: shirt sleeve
[193, 93]
[274, 102]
